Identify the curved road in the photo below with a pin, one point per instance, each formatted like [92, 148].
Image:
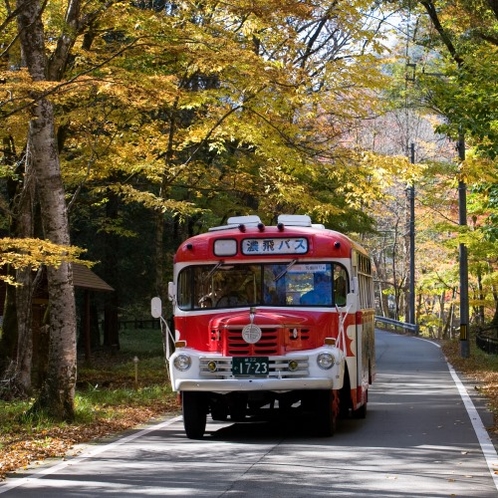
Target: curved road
[422, 438]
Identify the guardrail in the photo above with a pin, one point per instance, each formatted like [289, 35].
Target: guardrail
[384, 323]
[487, 340]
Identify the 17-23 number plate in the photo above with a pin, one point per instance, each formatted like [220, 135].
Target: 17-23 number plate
[250, 365]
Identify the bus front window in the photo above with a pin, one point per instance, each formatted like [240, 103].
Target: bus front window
[296, 284]
[219, 286]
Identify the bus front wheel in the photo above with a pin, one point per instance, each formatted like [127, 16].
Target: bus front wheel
[194, 408]
[327, 409]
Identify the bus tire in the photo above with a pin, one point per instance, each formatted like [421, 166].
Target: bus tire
[194, 408]
[327, 408]
[361, 412]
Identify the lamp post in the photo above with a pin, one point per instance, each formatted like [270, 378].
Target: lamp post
[463, 258]
[411, 195]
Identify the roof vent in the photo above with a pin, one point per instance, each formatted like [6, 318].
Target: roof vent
[235, 222]
[295, 220]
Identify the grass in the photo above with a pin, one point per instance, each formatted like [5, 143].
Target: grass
[115, 393]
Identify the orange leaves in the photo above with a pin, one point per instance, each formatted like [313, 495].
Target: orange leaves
[20, 449]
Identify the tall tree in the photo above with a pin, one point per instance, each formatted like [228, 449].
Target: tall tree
[57, 395]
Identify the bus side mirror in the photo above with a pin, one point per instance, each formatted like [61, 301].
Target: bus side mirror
[171, 291]
[156, 307]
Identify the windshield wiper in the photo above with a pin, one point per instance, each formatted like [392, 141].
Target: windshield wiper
[285, 270]
[213, 269]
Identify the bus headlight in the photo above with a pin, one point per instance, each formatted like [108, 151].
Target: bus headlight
[182, 362]
[325, 361]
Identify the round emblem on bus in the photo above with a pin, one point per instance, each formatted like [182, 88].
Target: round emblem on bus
[251, 333]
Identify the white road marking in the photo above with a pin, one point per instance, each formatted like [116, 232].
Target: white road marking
[487, 446]
[87, 454]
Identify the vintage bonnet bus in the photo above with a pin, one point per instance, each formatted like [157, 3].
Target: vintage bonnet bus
[272, 320]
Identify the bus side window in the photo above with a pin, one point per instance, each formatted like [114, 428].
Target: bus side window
[184, 290]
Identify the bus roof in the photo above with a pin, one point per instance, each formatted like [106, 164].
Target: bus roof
[246, 238]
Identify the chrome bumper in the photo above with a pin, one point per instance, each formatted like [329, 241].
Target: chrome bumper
[252, 384]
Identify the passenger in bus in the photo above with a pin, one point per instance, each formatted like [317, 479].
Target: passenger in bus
[321, 294]
[340, 291]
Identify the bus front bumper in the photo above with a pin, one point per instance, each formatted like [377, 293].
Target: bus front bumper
[253, 384]
[321, 368]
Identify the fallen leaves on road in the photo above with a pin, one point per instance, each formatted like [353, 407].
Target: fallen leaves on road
[22, 449]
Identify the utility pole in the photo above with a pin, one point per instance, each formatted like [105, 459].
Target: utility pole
[463, 257]
[411, 195]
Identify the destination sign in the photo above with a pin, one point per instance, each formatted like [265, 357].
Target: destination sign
[291, 245]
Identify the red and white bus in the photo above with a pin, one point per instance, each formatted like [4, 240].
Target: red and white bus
[270, 320]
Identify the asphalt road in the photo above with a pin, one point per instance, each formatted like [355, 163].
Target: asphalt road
[422, 437]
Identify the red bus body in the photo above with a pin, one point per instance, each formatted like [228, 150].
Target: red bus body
[272, 319]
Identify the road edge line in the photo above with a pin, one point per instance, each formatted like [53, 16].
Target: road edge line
[95, 450]
[487, 446]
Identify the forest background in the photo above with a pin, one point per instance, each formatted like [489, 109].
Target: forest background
[128, 126]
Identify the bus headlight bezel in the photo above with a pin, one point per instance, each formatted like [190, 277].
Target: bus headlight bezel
[182, 362]
[325, 361]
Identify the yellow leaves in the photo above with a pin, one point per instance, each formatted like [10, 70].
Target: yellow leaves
[18, 86]
[387, 169]
[32, 253]
[237, 91]
[476, 169]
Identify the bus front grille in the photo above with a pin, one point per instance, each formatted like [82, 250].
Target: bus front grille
[266, 346]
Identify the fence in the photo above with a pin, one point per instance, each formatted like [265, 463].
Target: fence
[487, 340]
[151, 323]
[384, 323]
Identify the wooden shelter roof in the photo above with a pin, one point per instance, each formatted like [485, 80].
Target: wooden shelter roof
[84, 278]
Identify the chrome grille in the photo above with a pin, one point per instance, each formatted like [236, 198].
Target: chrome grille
[279, 367]
[266, 346]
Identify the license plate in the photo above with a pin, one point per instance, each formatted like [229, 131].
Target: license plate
[250, 365]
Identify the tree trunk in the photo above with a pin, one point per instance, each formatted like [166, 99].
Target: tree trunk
[24, 293]
[56, 398]
[18, 310]
[57, 395]
[24, 298]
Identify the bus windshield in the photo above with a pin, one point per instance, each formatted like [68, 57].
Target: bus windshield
[285, 284]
